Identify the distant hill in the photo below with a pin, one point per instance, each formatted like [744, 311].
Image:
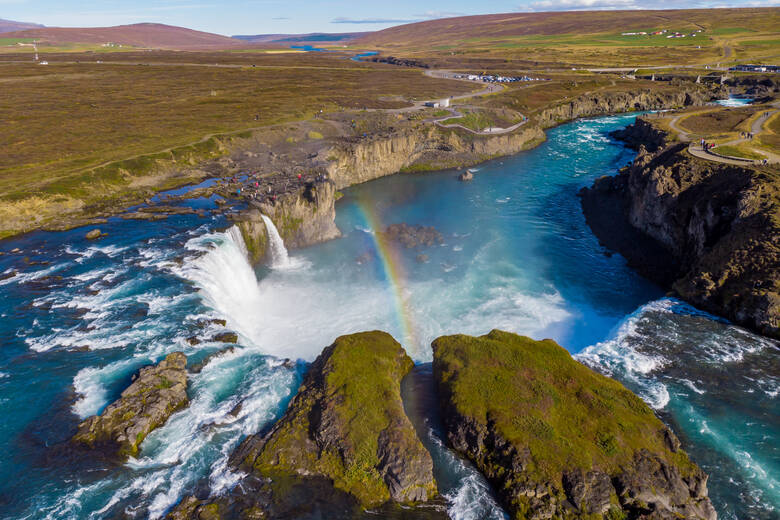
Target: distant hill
[287, 39]
[472, 30]
[11, 26]
[146, 35]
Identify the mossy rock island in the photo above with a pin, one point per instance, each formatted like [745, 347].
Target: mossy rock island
[155, 394]
[344, 445]
[558, 440]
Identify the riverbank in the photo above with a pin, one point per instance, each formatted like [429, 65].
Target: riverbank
[343, 161]
[706, 230]
[349, 146]
[81, 317]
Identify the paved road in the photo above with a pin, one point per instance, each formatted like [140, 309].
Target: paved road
[488, 131]
[756, 128]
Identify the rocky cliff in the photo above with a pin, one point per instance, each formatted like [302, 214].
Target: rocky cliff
[643, 133]
[420, 149]
[155, 394]
[344, 441]
[558, 440]
[303, 216]
[718, 224]
[601, 103]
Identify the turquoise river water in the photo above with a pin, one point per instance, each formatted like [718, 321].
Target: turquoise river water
[517, 255]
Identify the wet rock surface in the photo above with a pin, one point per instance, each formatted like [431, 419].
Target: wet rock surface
[154, 395]
[412, 236]
[345, 443]
[92, 235]
[466, 176]
[709, 231]
[558, 440]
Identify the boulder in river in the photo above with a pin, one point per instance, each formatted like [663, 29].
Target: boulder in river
[226, 337]
[94, 234]
[155, 394]
[413, 236]
[558, 440]
[347, 424]
[466, 176]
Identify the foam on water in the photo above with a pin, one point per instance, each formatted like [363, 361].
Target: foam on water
[471, 498]
[226, 280]
[520, 258]
[700, 371]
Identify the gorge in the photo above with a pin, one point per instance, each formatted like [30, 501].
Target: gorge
[517, 255]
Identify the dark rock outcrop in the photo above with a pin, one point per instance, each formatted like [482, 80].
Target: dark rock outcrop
[155, 394]
[412, 236]
[345, 443]
[558, 440]
[718, 226]
[642, 133]
[466, 176]
[225, 337]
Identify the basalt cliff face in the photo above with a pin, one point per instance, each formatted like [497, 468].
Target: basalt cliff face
[601, 103]
[718, 224]
[305, 215]
[344, 445]
[420, 149]
[558, 440]
[643, 133]
[302, 217]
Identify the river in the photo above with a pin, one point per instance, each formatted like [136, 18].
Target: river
[516, 255]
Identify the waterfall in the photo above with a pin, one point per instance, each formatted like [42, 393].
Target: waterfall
[279, 257]
[226, 280]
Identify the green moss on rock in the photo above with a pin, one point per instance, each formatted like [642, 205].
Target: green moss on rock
[157, 392]
[255, 238]
[347, 424]
[548, 431]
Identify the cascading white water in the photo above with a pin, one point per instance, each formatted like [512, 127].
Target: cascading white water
[279, 256]
[226, 280]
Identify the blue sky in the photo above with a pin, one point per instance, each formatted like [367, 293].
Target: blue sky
[301, 16]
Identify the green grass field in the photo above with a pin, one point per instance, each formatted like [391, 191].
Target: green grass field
[592, 38]
[738, 151]
[78, 131]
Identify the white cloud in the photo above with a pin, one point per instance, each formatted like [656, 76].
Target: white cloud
[433, 15]
[342, 19]
[580, 5]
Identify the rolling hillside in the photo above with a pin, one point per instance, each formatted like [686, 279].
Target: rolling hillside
[7, 26]
[593, 37]
[146, 35]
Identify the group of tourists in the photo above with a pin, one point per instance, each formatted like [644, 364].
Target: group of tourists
[707, 146]
[746, 135]
[255, 188]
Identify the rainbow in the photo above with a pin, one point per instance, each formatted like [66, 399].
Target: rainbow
[395, 276]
